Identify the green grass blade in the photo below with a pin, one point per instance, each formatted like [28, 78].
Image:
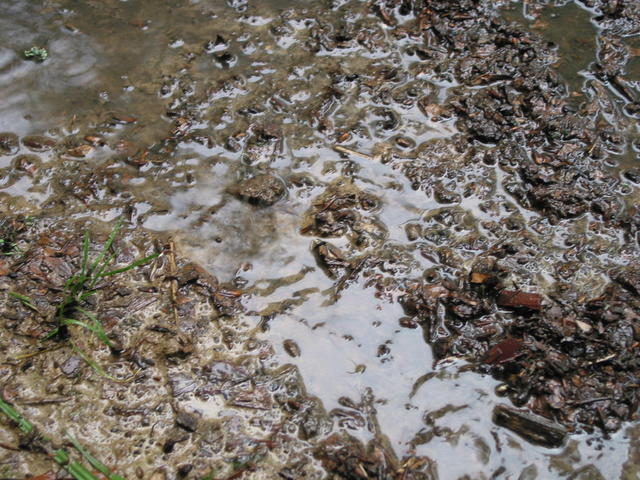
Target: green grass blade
[79, 471]
[75, 286]
[86, 294]
[77, 281]
[51, 334]
[93, 461]
[13, 248]
[79, 323]
[92, 363]
[107, 245]
[9, 411]
[97, 275]
[131, 266]
[95, 327]
[26, 301]
[61, 457]
[72, 321]
[99, 329]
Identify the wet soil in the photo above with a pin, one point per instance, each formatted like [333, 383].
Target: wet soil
[188, 388]
[393, 234]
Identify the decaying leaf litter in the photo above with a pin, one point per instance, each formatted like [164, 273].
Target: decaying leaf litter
[521, 257]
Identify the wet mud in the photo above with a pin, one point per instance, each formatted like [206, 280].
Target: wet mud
[390, 235]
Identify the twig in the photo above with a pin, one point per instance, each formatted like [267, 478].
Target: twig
[603, 359]
[38, 352]
[348, 276]
[174, 281]
[348, 151]
[6, 446]
[44, 401]
[590, 400]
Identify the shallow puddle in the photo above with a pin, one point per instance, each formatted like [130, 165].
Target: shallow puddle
[571, 30]
[132, 72]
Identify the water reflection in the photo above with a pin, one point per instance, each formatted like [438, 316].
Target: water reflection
[148, 61]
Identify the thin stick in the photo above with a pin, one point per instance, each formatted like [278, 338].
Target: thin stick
[351, 273]
[44, 401]
[173, 269]
[591, 400]
[348, 151]
[6, 446]
[38, 352]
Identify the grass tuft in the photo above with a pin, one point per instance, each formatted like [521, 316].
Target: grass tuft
[81, 286]
[59, 455]
[9, 248]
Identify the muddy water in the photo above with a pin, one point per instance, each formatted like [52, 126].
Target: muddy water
[570, 28]
[232, 70]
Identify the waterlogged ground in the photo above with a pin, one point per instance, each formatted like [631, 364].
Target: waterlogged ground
[360, 130]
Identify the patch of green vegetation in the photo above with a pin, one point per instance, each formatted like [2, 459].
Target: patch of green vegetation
[93, 461]
[77, 289]
[24, 425]
[76, 469]
[9, 232]
[9, 247]
[36, 53]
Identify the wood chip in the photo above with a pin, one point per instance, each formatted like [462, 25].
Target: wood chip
[518, 299]
[532, 427]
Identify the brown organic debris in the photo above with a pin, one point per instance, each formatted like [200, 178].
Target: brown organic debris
[533, 428]
[519, 299]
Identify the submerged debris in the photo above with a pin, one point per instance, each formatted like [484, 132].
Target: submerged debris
[331, 259]
[38, 143]
[263, 190]
[9, 143]
[534, 428]
[344, 209]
